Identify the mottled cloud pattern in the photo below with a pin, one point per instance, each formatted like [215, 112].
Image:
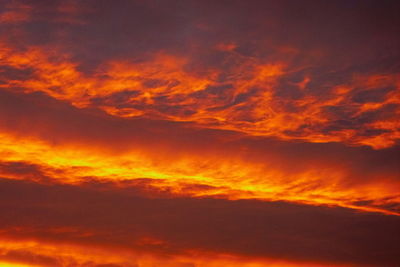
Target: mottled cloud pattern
[199, 133]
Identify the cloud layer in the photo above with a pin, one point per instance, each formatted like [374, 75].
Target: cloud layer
[199, 133]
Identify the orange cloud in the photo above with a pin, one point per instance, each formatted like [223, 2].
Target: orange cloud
[24, 253]
[250, 102]
[232, 167]
[196, 133]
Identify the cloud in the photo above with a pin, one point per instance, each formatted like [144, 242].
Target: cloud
[249, 227]
[177, 153]
[247, 130]
[165, 69]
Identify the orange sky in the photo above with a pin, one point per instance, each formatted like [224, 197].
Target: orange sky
[199, 133]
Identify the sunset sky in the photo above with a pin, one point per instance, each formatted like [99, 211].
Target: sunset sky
[199, 133]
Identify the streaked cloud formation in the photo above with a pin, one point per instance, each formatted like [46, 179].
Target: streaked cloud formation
[199, 133]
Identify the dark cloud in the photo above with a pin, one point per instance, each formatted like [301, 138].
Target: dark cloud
[22, 168]
[7, 73]
[342, 30]
[374, 96]
[25, 170]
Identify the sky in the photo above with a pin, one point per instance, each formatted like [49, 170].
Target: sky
[199, 133]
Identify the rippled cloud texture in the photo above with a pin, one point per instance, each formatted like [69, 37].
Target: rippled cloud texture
[199, 133]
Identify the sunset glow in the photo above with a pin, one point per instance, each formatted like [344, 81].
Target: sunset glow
[199, 133]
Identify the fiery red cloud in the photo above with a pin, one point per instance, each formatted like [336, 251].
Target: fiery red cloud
[199, 133]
